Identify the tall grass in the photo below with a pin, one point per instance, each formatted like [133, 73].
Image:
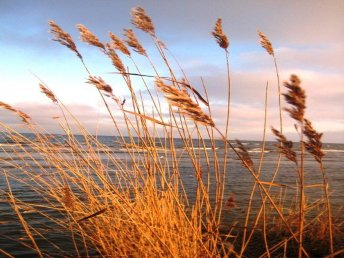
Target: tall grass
[138, 206]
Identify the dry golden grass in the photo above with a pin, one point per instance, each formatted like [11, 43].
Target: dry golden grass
[138, 206]
[24, 117]
[265, 42]
[220, 37]
[133, 42]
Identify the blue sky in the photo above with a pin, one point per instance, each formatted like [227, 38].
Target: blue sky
[307, 36]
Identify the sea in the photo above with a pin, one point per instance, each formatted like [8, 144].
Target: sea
[238, 184]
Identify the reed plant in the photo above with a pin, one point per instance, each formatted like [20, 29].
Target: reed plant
[111, 206]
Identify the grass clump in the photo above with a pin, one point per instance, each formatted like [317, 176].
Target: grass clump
[138, 205]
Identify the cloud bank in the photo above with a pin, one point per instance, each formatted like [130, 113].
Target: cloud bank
[307, 38]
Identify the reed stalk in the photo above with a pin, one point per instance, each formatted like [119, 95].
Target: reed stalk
[140, 205]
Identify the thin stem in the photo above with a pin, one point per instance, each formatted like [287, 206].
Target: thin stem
[302, 193]
[328, 206]
[279, 95]
[244, 245]
[227, 140]
[263, 189]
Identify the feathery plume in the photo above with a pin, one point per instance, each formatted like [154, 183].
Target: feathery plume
[218, 34]
[230, 203]
[296, 97]
[63, 37]
[89, 37]
[133, 42]
[142, 21]
[118, 44]
[7, 106]
[100, 84]
[313, 144]
[48, 93]
[116, 61]
[184, 83]
[181, 100]
[265, 42]
[24, 117]
[68, 197]
[285, 146]
[245, 157]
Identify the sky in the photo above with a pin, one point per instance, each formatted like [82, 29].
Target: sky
[307, 37]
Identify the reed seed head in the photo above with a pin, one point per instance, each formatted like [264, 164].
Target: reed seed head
[68, 197]
[7, 107]
[100, 84]
[48, 93]
[245, 156]
[296, 97]
[89, 37]
[23, 116]
[132, 41]
[313, 144]
[181, 100]
[230, 203]
[63, 37]
[142, 21]
[265, 42]
[285, 146]
[116, 61]
[218, 34]
[118, 44]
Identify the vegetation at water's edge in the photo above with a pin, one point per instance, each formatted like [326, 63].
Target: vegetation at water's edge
[140, 207]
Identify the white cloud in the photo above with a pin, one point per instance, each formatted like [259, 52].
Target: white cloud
[308, 44]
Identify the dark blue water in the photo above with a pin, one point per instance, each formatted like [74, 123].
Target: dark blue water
[238, 182]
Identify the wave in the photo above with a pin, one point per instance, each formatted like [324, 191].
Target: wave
[257, 150]
[10, 144]
[332, 150]
[199, 148]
